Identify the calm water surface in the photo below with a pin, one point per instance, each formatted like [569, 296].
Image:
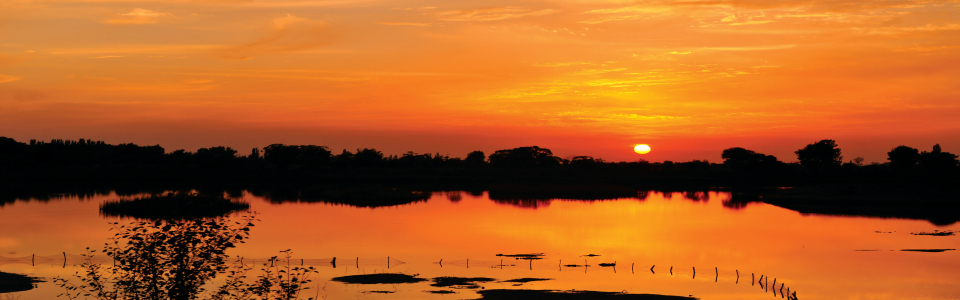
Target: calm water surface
[814, 255]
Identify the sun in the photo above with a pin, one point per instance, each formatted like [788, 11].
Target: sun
[642, 149]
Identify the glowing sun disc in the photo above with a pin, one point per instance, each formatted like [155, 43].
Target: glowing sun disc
[642, 149]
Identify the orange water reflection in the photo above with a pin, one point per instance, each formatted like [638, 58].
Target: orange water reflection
[813, 255]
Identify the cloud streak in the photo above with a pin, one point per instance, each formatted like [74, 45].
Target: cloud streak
[288, 34]
[491, 14]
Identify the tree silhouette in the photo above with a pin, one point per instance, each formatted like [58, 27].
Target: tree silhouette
[822, 154]
[525, 157]
[309, 155]
[903, 157]
[743, 159]
[476, 158]
[938, 161]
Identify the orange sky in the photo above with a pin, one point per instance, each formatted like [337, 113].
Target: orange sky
[690, 78]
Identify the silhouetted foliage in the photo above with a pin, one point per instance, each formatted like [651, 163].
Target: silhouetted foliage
[524, 157]
[819, 155]
[175, 259]
[938, 161]
[476, 158]
[743, 159]
[308, 155]
[367, 158]
[903, 157]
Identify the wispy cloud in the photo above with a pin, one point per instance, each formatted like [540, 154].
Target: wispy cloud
[137, 16]
[405, 24]
[8, 78]
[106, 56]
[491, 14]
[425, 8]
[902, 30]
[289, 33]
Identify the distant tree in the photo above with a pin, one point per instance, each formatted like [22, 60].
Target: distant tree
[938, 161]
[903, 157]
[525, 157]
[310, 155]
[858, 161]
[367, 158]
[217, 153]
[476, 158]
[584, 162]
[822, 154]
[743, 159]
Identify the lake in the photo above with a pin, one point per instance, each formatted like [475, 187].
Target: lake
[696, 246]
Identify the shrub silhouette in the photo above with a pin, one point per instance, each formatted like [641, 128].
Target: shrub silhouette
[174, 259]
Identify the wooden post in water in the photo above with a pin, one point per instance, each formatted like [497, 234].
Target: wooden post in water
[358, 262]
[334, 262]
[531, 264]
[301, 261]
[64, 260]
[738, 277]
[631, 268]
[501, 264]
[774, 282]
[671, 270]
[441, 263]
[753, 280]
[33, 260]
[468, 263]
[717, 278]
[781, 289]
[388, 262]
[694, 272]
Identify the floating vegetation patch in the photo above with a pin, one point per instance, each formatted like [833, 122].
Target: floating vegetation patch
[569, 295]
[613, 264]
[590, 255]
[576, 266]
[10, 282]
[928, 250]
[381, 278]
[525, 280]
[460, 282]
[531, 256]
[442, 292]
[378, 292]
[867, 250]
[935, 233]
[173, 206]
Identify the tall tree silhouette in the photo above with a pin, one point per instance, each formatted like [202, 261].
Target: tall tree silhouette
[822, 154]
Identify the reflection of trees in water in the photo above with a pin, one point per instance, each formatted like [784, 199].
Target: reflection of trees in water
[175, 259]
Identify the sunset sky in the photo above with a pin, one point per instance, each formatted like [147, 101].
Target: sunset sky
[690, 78]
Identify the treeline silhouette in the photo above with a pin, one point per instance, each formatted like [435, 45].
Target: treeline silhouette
[88, 160]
